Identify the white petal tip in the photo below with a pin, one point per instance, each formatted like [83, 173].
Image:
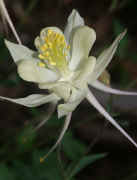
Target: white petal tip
[121, 35]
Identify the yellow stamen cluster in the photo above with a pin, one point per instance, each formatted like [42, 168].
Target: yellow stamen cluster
[54, 50]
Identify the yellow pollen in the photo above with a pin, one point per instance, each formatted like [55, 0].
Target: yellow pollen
[41, 56]
[43, 48]
[54, 49]
[41, 160]
[46, 53]
[49, 31]
[49, 44]
[68, 46]
[40, 64]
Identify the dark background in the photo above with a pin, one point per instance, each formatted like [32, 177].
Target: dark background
[108, 18]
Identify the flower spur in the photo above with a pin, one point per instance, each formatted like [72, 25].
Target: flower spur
[63, 66]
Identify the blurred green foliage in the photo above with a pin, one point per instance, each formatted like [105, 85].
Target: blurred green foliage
[23, 161]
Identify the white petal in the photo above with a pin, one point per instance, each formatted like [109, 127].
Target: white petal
[86, 68]
[19, 52]
[99, 85]
[104, 59]
[62, 90]
[33, 100]
[74, 100]
[30, 71]
[65, 127]
[40, 40]
[97, 105]
[65, 109]
[48, 85]
[82, 40]
[74, 20]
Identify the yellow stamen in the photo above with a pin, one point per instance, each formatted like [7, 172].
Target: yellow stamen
[41, 56]
[49, 44]
[55, 49]
[46, 53]
[42, 160]
[40, 64]
[49, 31]
[43, 48]
[68, 46]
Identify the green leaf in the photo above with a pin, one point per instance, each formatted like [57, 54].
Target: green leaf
[26, 139]
[6, 173]
[72, 147]
[48, 169]
[86, 161]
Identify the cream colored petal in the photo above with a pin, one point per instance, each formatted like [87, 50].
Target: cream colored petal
[82, 40]
[62, 90]
[47, 85]
[19, 52]
[40, 40]
[33, 100]
[74, 20]
[74, 100]
[86, 70]
[106, 56]
[65, 109]
[30, 71]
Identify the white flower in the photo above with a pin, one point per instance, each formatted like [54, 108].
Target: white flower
[63, 66]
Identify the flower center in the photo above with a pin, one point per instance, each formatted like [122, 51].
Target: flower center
[54, 50]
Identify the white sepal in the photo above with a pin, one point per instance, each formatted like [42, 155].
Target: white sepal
[105, 57]
[93, 101]
[74, 20]
[64, 129]
[33, 100]
[101, 86]
[19, 52]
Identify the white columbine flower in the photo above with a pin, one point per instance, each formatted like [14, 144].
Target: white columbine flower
[63, 66]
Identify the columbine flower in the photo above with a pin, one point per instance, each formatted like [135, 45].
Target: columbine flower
[63, 66]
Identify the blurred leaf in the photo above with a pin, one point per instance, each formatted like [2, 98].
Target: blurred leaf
[34, 170]
[133, 56]
[48, 169]
[113, 5]
[54, 121]
[72, 147]
[85, 161]
[26, 139]
[10, 82]
[34, 111]
[6, 173]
